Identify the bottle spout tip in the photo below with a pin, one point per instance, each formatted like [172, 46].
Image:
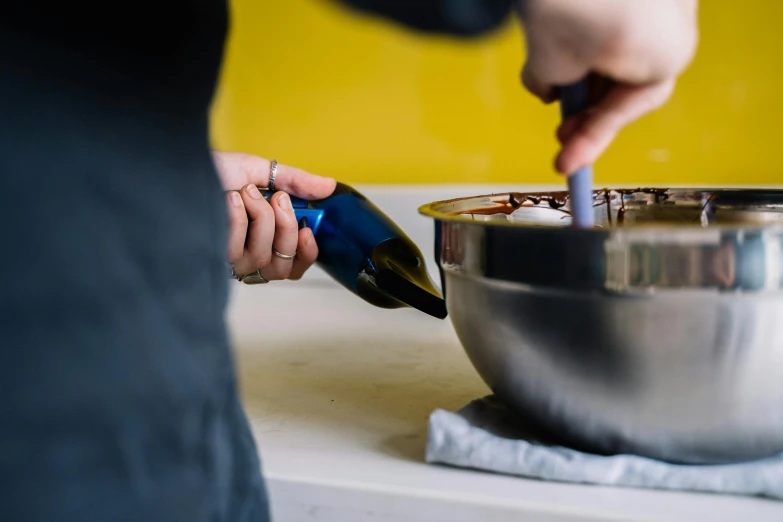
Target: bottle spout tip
[418, 292]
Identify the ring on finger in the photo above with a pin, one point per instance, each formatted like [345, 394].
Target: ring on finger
[272, 175]
[283, 256]
[254, 278]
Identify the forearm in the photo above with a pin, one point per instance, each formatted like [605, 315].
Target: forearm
[455, 17]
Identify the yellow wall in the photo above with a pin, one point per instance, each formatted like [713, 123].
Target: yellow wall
[354, 98]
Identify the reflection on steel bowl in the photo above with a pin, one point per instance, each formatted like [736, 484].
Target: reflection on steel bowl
[659, 332]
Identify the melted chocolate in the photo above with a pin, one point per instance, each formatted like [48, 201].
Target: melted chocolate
[554, 200]
[621, 212]
[558, 200]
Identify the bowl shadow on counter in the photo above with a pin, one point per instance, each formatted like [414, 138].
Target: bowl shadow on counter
[345, 387]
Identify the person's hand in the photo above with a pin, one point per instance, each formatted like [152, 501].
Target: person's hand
[640, 46]
[258, 229]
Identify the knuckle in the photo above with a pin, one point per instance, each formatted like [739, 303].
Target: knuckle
[250, 165]
[285, 272]
[262, 259]
[286, 230]
[278, 272]
[665, 92]
[592, 133]
[656, 97]
[235, 253]
[264, 210]
[288, 225]
[255, 207]
[295, 185]
[242, 267]
[238, 218]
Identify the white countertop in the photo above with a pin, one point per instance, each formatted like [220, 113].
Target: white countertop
[339, 392]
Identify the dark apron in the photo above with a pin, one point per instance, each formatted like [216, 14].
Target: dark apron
[118, 398]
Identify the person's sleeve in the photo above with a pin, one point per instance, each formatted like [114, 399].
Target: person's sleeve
[453, 17]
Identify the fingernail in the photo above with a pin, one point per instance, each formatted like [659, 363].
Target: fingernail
[283, 201]
[253, 192]
[235, 198]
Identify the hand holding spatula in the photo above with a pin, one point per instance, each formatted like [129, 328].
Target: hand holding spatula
[641, 47]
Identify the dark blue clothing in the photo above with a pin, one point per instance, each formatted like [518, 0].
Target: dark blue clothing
[118, 398]
[463, 18]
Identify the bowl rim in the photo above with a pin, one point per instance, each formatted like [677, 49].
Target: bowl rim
[431, 210]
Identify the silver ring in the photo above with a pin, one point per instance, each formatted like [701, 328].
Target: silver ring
[283, 256]
[254, 278]
[272, 175]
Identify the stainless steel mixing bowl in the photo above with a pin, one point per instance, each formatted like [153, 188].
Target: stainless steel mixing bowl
[658, 333]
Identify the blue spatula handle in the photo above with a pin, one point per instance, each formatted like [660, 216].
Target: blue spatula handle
[574, 99]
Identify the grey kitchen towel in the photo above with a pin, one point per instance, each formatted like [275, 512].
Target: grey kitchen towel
[486, 435]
